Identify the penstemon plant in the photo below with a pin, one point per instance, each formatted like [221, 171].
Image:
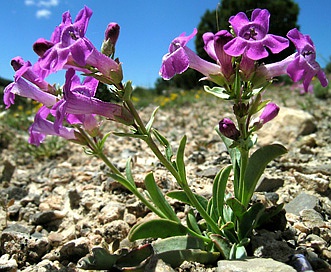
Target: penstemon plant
[73, 111]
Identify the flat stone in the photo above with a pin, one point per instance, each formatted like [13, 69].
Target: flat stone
[268, 184]
[301, 202]
[253, 265]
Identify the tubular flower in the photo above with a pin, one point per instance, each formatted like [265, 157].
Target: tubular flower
[111, 35]
[69, 47]
[252, 36]
[304, 65]
[43, 127]
[228, 129]
[180, 58]
[39, 90]
[79, 100]
[214, 46]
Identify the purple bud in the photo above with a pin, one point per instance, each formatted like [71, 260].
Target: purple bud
[41, 46]
[228, 129]
[270, 112]
[112, 32]
[111, 35]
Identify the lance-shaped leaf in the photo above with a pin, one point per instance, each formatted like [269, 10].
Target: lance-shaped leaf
[157, 228]
[181, 196]
[158, 198]
[256, 166]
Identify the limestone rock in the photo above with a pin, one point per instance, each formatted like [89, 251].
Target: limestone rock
[287, 127]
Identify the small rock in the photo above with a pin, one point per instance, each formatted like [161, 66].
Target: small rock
[314, 182]
[116, 230]
[210, 172]
[8, 264]
[253, 265]
[75, 249]
[43, 218]
[312, 218]
[287, 127]
[8, 171]
[268, 184]
[301, 202]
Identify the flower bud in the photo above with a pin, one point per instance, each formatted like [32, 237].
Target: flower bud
[228, 129]
[270, 112]
[111, 35]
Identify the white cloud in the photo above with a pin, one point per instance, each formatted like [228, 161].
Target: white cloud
[44, 7]
[29, 2]
[43, 13]
[48, 3]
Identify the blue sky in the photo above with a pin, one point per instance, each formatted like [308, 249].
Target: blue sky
[147, 28]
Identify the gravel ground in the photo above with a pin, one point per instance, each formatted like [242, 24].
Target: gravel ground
[65, 205]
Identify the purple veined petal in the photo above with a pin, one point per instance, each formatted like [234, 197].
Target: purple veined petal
[322, 78]
[43, 127]
[256, 51]
[261, 17]
[276, 43]
[235, 47]
[237, 21]
[82, 20]
[174, 63]
[181, 41]
[208, 39]
[22, 88]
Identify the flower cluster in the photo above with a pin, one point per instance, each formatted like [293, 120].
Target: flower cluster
[237, 56]
[74, 104]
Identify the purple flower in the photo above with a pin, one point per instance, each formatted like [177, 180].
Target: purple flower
[180, 58]
[42, 127]
[228, 129]
[304, 66]
[214, 44]
[69, 47]
[252, 36]
[22, 88]
[79, 100]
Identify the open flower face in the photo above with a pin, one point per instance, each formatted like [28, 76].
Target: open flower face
[252, 36]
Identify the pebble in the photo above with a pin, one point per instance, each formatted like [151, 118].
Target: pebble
[253, 265]
[8, 264]
[301, 202]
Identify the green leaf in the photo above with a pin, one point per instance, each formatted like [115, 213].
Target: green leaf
[219, 187]
[158, 198]
[178, 243]
[164, 142]
[138, 136]
[127, 90]
[98, 260]
[135, 259]
[157, 228]
[217, 91]
[176, 257]
[128, 173]
[256, 166]
[181, 196]
[180, 159]
[237, 208]
[249, 220]
[222, 244]
[123, 181]
[192, 222]
[237, 252]
[151, 120]
[101, 143]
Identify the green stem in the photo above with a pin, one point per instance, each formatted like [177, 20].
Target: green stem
[243, 165]
[100, 154]
[183, 183]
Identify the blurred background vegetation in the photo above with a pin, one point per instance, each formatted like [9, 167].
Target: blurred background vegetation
[176, 91]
